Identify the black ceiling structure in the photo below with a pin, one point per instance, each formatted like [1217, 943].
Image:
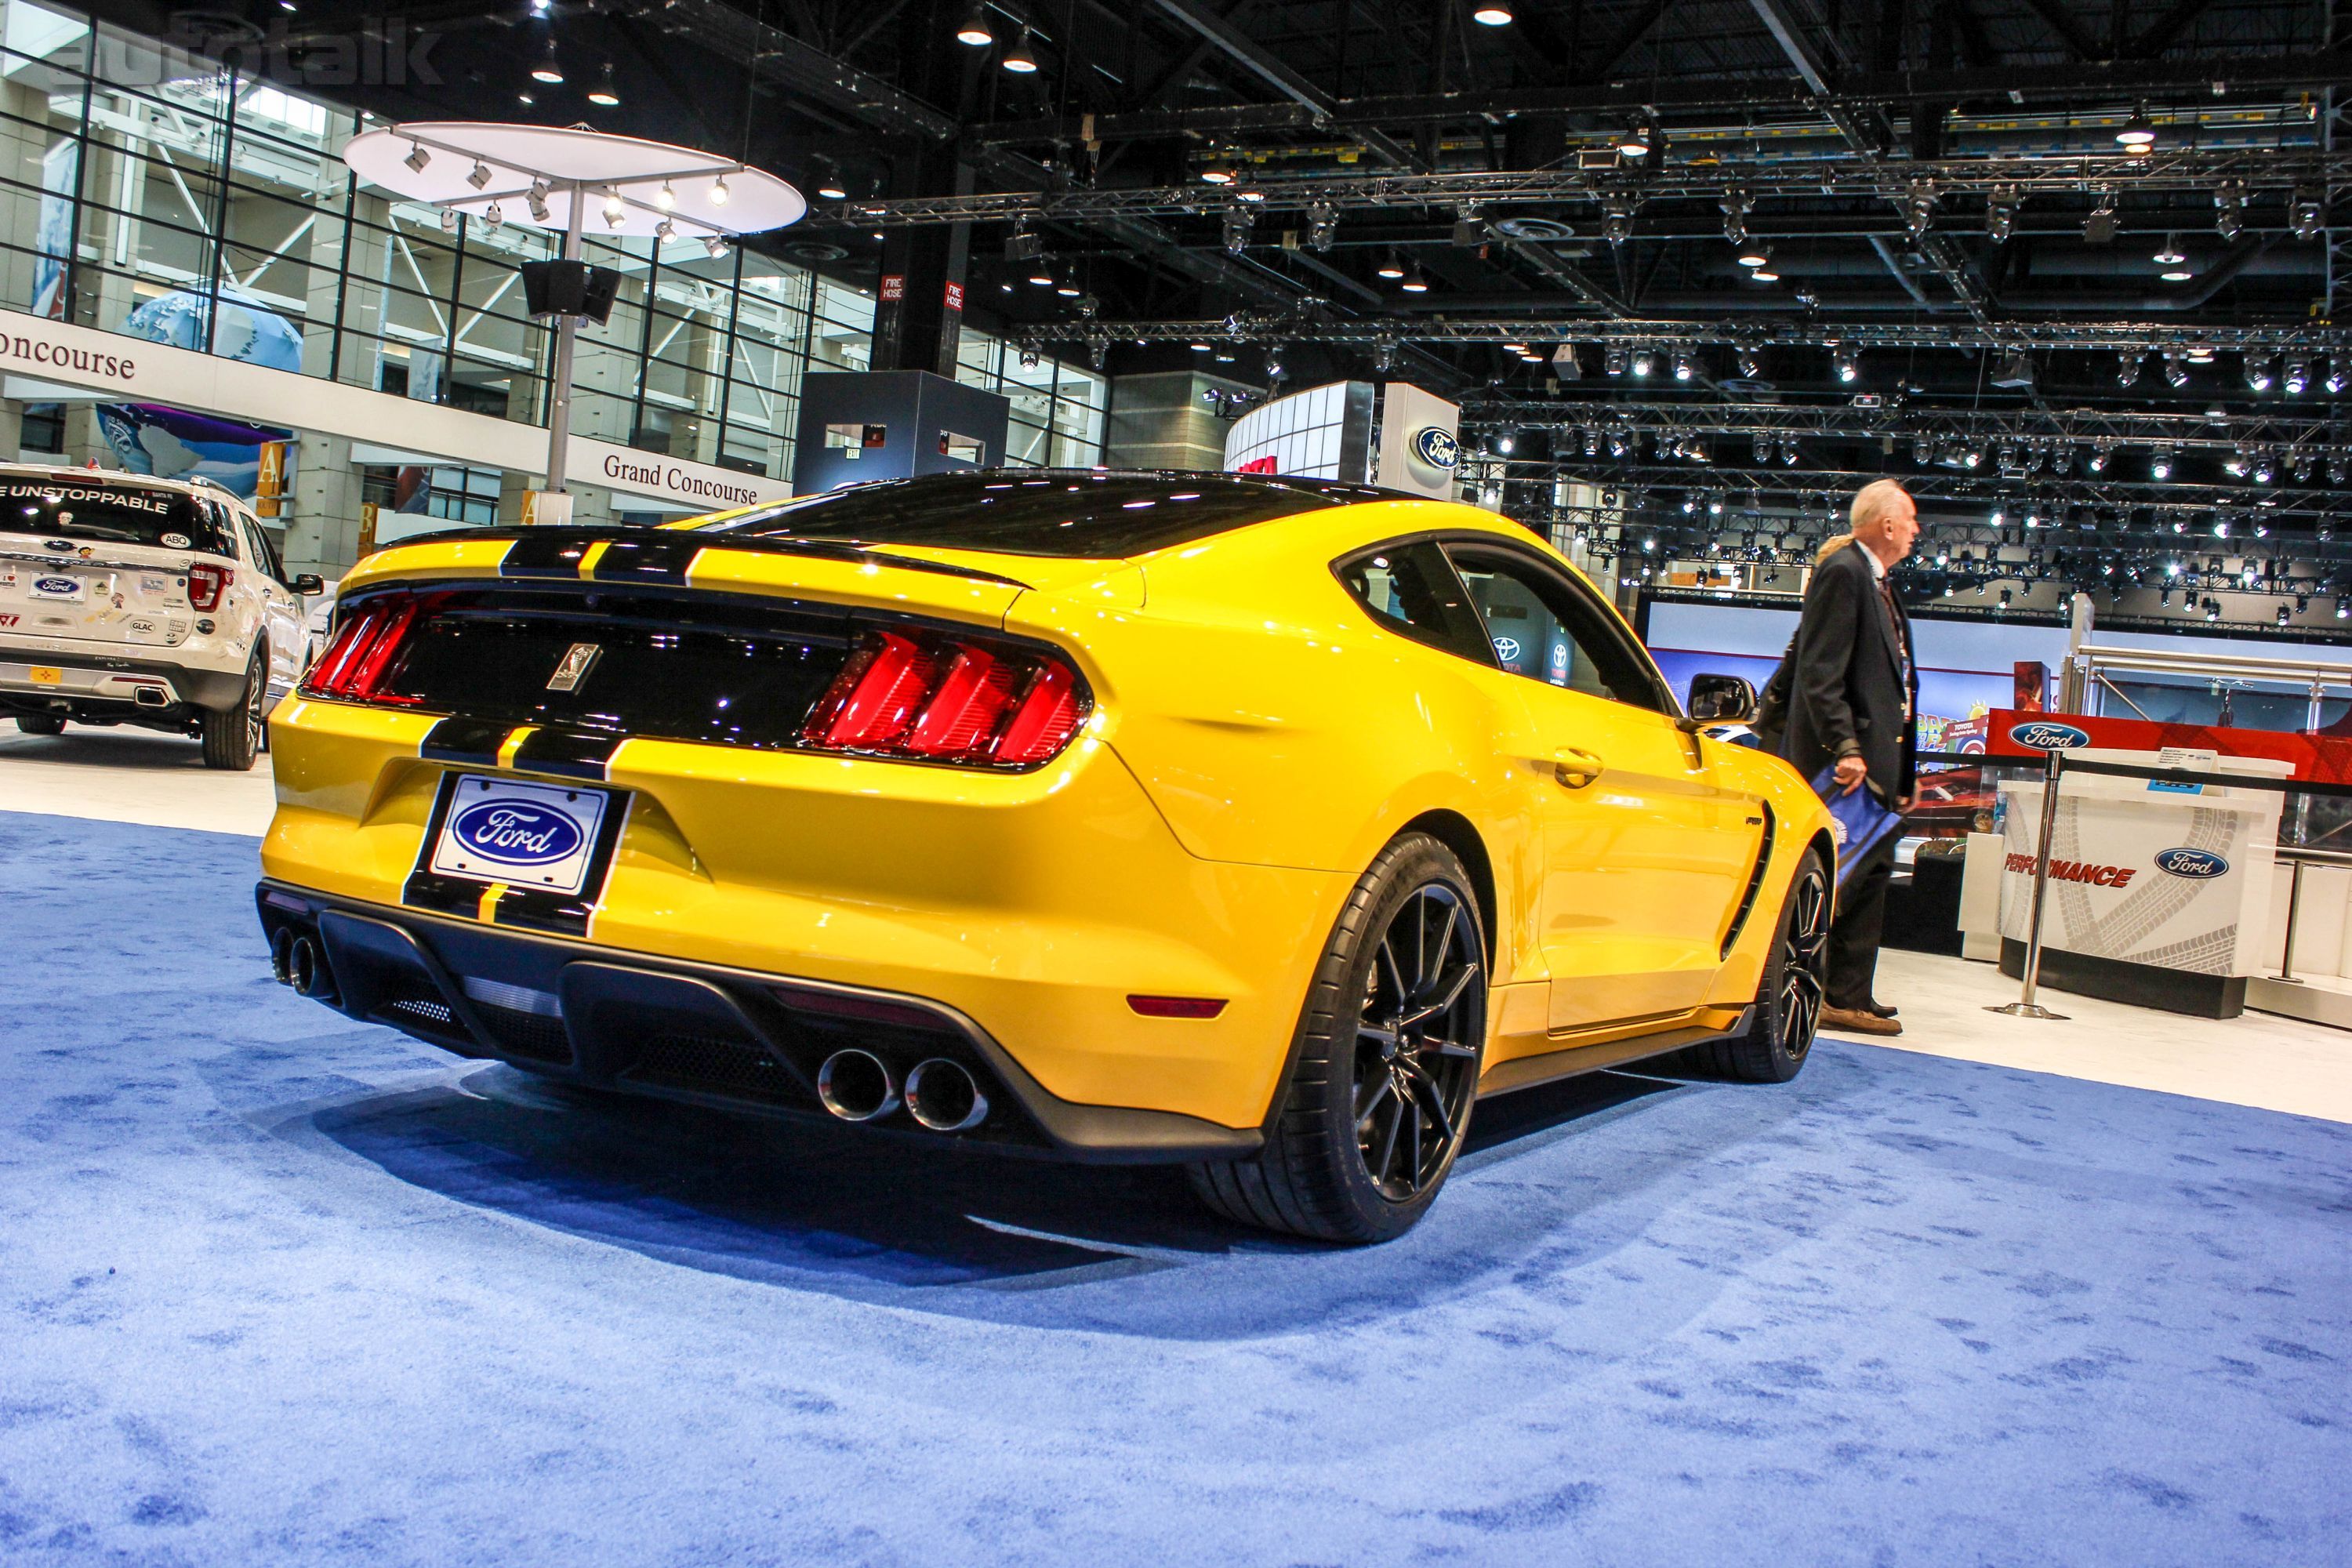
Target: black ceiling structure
[1973, 244]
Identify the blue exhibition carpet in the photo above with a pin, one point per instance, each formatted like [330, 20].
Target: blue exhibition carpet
[275, 1289]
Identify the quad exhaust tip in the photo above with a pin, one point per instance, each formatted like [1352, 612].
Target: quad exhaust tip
[302, 967]
[858, 1086]
[941, 1096]
[281, 956]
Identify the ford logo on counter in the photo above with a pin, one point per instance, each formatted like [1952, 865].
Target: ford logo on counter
[2196, 864]
[516, 832]
[1435, 447]
[2042, 737]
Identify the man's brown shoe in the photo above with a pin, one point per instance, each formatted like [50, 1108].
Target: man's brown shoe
[1853, 1021]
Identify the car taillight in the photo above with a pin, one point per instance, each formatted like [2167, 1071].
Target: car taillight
[363, 650]
[206, 584]
[936, 698]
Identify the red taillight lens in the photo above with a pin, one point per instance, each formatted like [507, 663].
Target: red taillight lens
[946, 699]
[361, 653]
[1177, 1006]
[206, 584]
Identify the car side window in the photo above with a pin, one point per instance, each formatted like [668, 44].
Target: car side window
[1544, 627]
[256, 543]
[1412, 591]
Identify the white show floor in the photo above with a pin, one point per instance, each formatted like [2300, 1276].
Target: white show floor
[2257, 1059]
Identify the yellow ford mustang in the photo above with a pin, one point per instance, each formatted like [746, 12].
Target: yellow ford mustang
[1259, 825]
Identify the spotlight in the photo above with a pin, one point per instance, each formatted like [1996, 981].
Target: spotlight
[1646, 359]
[2127, 364]
[2265, 469]
[1018, 60]
[2139, 133]
[974, 28]
[1492, 14]
[547, 71]
[1613, 361]
[1415, 282]
[1764, 274]
[1751, 365]
[2307, 210]
[2169, 253]
[480, 175]
[604, 95]
[494, 218]
[1845, 362]
[665, 231]
[1788, 452]
[1068, 287]
[2298, 375]
[714, 246]
[2339, 374]
[666, 198]
[1617, 227]
[1217, 171]
[449, 220]
[719, 191]
[1392, 268]
[1919, 207]
[615, 209]
[2000, 215]
[1028, 359]
[1237, 230]
[1685, 365]
[1753, 255]
[2258, 372]
[1640, 136]
[1923, 450]
[1042, 274]
[2230, 209]
[2159, 463]
[2175, 372]
[1735, 206]
[2097, 461]
[1322, 227]
[418, 157]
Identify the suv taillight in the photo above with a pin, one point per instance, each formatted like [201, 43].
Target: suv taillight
[361, 652]
[937, 698]
[206, 584]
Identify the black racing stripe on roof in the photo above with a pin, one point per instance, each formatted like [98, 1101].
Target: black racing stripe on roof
[546, 555]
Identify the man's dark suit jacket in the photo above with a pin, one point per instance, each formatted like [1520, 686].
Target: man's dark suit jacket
[1846, 690]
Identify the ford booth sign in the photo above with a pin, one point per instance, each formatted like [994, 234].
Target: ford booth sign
[2042, 736]
[515, 833]
[1435, 447]
[2195, 864]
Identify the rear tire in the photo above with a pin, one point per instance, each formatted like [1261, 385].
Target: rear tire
[231, 737]
[1789, 995]
[40, 724]
[1385, 1064]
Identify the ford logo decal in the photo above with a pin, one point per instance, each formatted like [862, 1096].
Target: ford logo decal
[2197, 864]
[1436, 447]
[57, 585]
[2042, 737]
[517, 833]
[62, 547]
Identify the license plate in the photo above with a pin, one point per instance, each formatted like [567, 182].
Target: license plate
[524, 835]
[47, 675]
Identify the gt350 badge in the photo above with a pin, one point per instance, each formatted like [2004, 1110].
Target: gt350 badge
[573, 666]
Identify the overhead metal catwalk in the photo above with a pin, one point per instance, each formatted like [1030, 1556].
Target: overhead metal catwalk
[1809, 331]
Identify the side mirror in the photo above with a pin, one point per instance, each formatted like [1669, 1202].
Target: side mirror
[1721, 699]
[308, 583]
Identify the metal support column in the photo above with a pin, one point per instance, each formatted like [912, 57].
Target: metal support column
[2025, 1006]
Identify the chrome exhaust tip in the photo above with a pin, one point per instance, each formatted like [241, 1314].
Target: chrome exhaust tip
[942, 1096]
[149, 697]
[302, 967]
[281, 956]
[858, 1086]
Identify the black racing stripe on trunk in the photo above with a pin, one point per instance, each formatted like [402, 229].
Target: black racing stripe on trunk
[568, 753]
[472, 741]
[661, 561]
[555, 556]
[443, 895]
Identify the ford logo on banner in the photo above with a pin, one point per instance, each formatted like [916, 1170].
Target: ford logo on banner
[1436, 447]
[2045, 737]
[516, 832]
[2198, 864]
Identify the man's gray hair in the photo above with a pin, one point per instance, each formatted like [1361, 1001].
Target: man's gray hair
[1873, 498]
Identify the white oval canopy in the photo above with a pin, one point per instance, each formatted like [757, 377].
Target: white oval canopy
[600, 167]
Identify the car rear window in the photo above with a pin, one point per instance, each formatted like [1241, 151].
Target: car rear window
[114, 514]
[1039, 512]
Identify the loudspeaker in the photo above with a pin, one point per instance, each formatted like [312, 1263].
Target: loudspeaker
[569, 289]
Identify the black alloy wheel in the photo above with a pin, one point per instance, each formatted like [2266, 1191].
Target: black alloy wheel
[1415, 1055]
[1788, 998]
[1384, 1065]
[232, 738]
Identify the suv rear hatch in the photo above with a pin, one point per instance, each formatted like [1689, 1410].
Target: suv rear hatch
[90, 560]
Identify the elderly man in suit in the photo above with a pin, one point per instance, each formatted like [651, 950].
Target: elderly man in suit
[1852, 695]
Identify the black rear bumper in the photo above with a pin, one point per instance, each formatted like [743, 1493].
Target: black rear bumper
[698, 1033]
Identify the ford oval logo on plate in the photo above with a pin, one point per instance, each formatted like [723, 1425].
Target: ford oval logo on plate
[516, 832]
[1436, 446]
[2045, 737]
[2195, 864]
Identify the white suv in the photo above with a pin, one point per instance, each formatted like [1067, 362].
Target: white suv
[129, 600]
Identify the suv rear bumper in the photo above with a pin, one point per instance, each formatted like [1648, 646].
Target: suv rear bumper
[695, 1032]
[105, 678]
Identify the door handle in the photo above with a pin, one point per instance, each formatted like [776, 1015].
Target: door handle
[1574, 768]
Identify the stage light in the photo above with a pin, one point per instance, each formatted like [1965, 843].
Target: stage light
[615, 209]
[449, 220]
[2306, 210]
[2230, 209]
[974, 29]
[547, 71]
[719, 191]
[2339, 374]
[537, 199]
[2159, 463]
[2175, 372]
[1751, 365]
[714, 246]
[1492, 14]
[2169, 253]
[1685, 365]
[418, 157]
[1639, 137]
[1846, 362]
[1615, 361]
[1322, 227]
[2298, 376]
[666, 198]
[1415, 282]
[1018, 60]
[604, 95]
[2127, 364]
[1392, 268]
[2138, 133]
[2258, 372]
[1237, 231]
[1646, 359]
[2000, 215]
[494, 218]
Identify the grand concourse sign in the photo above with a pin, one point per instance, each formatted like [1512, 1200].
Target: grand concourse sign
[61, 356]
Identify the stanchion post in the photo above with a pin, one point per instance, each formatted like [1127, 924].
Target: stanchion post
[2294, 903]
[2025, 1006]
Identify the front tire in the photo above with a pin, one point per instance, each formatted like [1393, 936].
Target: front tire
[1385, 1065]
[231, 737]
[1788, 998]
[40, 724]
